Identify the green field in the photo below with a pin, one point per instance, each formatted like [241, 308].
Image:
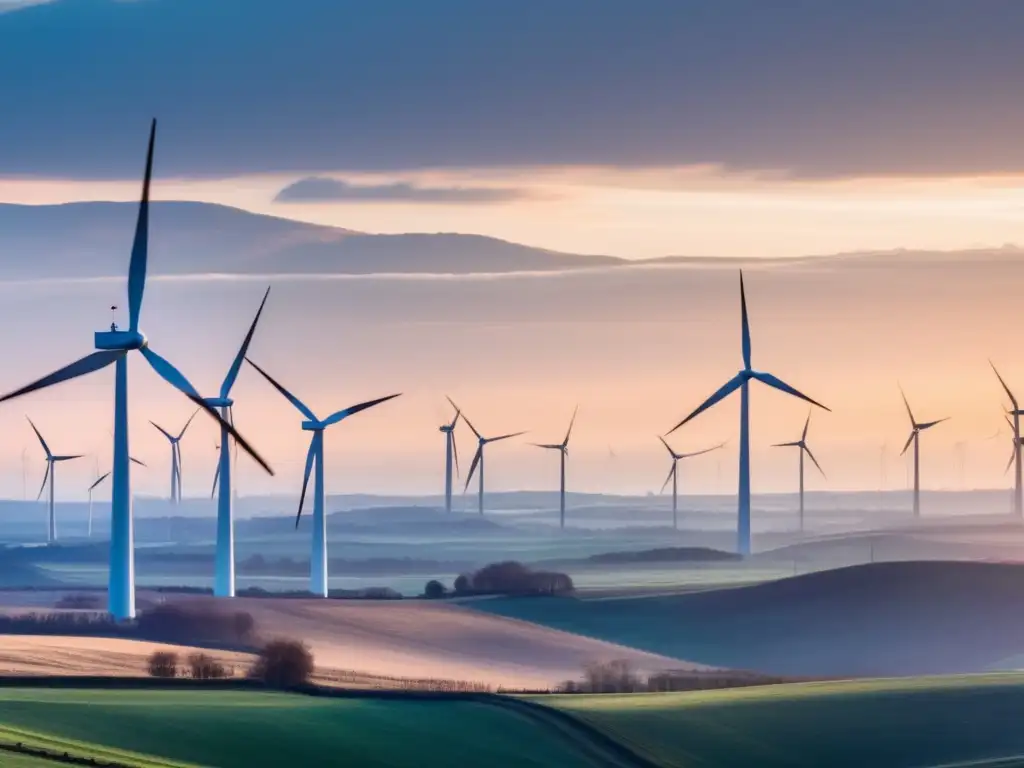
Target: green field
[908, 723]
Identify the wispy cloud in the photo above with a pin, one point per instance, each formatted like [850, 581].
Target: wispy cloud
[321, 189]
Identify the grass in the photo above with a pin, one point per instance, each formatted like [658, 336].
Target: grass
[899, 723]
[232, 729]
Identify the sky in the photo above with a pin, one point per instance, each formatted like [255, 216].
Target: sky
[734, 129]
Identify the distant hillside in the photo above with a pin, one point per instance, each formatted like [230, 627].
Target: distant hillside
[94, 239]
[909, 618]
[664, 555]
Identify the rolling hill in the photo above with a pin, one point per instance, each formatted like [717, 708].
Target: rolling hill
[908, 618]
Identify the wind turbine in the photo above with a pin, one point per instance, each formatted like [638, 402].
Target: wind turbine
[96, 483]
[450, 450]
[1015, 411]
[224, 559]
[802, 445]
[563, 451]
[916, 428]
[1016, 448]
[315, 455]
[51, 461]
[673, 475]
[175, 441]
[741, 381]
[478, 457]
[112, 347]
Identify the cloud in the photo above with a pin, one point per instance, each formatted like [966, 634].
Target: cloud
[320, 189]
[877, 87]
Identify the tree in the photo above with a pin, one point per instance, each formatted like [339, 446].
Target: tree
[434, 589]
[462, 583]
[163, 664]
[205, 667]
[283, 664]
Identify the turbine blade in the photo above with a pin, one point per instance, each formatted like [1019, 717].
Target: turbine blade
[98, 481]
[334, 418]
[506, 437]
[66, 458]
[216, 477]
[701, 453]
[136, 461]
[671, 472]
[165, 433]
[796, 444]
[176, 379]
[779, 384]
[310, 457]
[137, 265]
[1013, 455]
[472, 467]
[288, 395]
[746, 325]
[236, 364]
[458, 413]
[724, 391]
[910, 413]
[182, 433]
[909, 441]
[930, 424]
[571, 422]
[807, 423]
[470, 425]
[811, 455]
[42, 442]
[43, 486]
[549, 447]
[1006, 388]
[455, 452]
[668, 447]
[88, 364]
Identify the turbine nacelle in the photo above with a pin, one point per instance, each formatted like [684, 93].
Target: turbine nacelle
[126, 340]
[314, 426]
[219, 402]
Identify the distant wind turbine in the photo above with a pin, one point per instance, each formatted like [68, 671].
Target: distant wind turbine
[450, 450]
[112, 348]
[96, 483]
[1015, 411]
[673, 475]
[741, 381]
[478, 457]
[801, 444]
[175, 441]
[916, 428]
[315, 455]
[563, 451]
[1016, 448]
[51, 461]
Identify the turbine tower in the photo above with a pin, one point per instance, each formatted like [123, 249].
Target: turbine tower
[673, 475]
[563, 451]
[801, 444]
[175, 441]
[916, 428]
[51, 462]
[741, 381]
[450, 450]
[224, 558]
[1015, 411]
[112, 348]
[478, 457]
[315, 455]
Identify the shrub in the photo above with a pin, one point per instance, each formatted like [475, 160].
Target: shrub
[163, 664]
[615, 676]
[514, 578]
[462, 584]
[79, 601]
[434, 589]
[283, 664]
[204, 667]
[196, 623]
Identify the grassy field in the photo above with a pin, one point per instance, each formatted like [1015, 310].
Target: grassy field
[901, 723]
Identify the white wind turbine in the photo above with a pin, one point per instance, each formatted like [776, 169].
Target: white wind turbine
[315, 455]
[478, 458]
[175, 441]
[916, 428]
[563, 451]
[1015, 411]
[450, 450]
[51, 461]
[741, 381]
[801, 444]
[673, 475]
[112, 348]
